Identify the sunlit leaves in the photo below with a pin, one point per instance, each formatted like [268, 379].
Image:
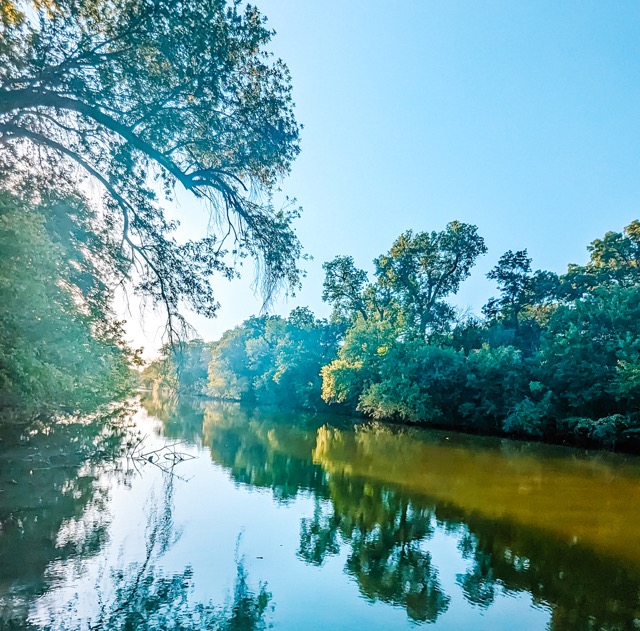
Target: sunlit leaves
[60, 344]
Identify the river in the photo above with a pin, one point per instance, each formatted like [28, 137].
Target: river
[292, 521]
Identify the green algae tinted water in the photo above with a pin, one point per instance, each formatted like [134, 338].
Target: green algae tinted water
[298, 521]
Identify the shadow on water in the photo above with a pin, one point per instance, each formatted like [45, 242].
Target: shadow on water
[528, 519]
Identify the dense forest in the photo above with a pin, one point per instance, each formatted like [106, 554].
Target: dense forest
[553, 357]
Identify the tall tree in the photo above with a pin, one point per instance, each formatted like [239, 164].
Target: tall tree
[614, 261]
[514, 279]
[344, 287]
[422, 269]
[183, 93]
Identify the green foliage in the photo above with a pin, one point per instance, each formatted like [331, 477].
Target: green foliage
[344, 288]
[418, 383]
[422, 269]
[412, 279]
[181, 368]
[614, 261]
[514, 278]
[591, 350]
[542, 364]
[607, 431]
[551, 348]
[181, 93]
[529, 418]
[274, 360]
[359, 360]
[494, 379]
[60, 344]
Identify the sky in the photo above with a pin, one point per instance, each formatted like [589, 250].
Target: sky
[522, 118]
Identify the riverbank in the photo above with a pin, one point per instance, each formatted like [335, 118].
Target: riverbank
[612, 434]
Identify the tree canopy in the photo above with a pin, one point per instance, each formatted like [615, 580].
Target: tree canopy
[424, 268]
[270, 359]
[145, 95]
[61, 345]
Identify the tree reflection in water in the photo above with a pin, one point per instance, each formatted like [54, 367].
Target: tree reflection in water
[383, 532]
[58, 512]
[386, 526]
[382, 528]
[143, 596]
[53, 504]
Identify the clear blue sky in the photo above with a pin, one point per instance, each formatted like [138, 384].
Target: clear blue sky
[520, 117]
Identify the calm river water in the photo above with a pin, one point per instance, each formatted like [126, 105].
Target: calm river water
[298, 521]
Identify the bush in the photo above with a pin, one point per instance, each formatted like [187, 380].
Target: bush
[529, 418]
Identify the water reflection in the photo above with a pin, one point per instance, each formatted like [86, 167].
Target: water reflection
[384, 531]
[55, 515]
[260, 452]
[52, 506]
[142, 595]
[380, 493]
[525, 524]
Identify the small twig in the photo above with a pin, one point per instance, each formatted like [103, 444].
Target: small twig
[164, 458]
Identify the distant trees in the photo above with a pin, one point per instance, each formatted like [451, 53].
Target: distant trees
[359, 360]
[274, 360]
[182, 368]
[614, 261]
[526, 299]
[515, 281]
[344, 287]
[412, 282]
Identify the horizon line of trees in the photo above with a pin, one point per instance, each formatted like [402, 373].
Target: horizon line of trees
[554, 356]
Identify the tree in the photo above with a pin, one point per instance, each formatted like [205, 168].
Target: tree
[422, 269]
[235, 360]
[347, 288]
[590, 354]
[183, 93]
[527, 300]
[417, 383]
[303, 346]
[274, 360]
[182, 368]
[614, 261]
[514, 278]
[497, 379]
[359, 360]
[344, 287]
[60, 343]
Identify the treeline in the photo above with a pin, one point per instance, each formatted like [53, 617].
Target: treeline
[555, 357]
[268, 360]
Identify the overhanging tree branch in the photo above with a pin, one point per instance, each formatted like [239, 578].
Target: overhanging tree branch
[123, 88]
